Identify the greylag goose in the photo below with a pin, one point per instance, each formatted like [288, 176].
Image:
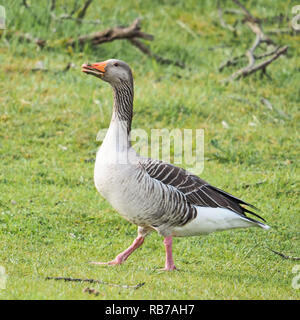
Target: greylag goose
[153, 194]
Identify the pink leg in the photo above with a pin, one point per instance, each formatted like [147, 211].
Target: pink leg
[120, 258]
[169, 265]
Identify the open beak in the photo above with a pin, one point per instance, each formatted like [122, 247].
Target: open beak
[96, 69]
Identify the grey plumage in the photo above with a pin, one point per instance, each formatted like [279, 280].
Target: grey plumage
[151, 193]
[197, 192]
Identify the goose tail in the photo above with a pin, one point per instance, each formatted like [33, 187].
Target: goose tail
[257, 223]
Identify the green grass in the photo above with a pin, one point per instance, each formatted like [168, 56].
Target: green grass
[52, 220]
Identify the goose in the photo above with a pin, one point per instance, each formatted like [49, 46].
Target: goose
[152, 194]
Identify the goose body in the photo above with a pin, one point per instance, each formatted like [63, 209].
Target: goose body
[153, 194]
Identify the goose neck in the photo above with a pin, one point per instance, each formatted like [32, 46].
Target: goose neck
[123, 104]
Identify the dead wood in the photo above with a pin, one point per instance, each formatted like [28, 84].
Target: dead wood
[252, 67]
[246, 12]
[284, 256]
[53, 5]
[222, 21]
[132, 33]
[125, 286]
[111, 34]
[254, 24]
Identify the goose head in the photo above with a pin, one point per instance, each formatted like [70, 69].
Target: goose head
[112, 71]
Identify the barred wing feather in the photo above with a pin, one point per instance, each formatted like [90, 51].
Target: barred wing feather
[196, 191]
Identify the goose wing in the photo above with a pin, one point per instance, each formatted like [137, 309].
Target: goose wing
[196, 191]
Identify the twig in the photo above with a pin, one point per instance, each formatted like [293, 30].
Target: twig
[267, 103]
[266, 54]
[53, 5]
[246, 12]
[246, 186]
[125, 286]
[222, 22]
[231, 62]
[235, 60]
[251, 68]
[257, 29]
[254, 24]
[186, 28]
[284, 256]
[81, 12]
[148, 52]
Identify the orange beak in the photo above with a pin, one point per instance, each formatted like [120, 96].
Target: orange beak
[96, 69]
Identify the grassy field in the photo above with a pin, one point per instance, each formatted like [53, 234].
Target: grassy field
[53, 221]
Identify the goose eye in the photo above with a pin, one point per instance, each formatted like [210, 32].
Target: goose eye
[116, 64]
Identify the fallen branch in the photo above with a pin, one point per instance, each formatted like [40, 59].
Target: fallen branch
[222, 21]
[284, 256]
[231, 62]
[131, 33]
[235, 60]
[251, 68]
[125, 286]
[96, 38]
[245, 11]
[254, 25]
[111, 34]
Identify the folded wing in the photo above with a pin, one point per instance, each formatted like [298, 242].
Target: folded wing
[196, 191]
